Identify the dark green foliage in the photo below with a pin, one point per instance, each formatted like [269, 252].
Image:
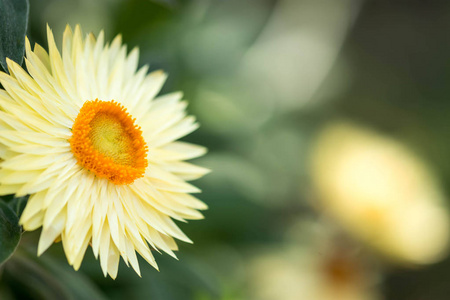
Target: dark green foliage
[13, 26]
[17, 204]
[9, 231]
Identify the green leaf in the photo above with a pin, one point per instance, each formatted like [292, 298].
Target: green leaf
[13, 26]
[10, 232]
[17, 204]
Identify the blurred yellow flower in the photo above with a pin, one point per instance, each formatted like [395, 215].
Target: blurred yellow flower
[323, 267]
[84, 135]
[381, 193]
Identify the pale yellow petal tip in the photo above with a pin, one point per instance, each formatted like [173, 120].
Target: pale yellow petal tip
[204, 206]
[164, 75]
[171, 253]
[112, 275]
[203, 150]
[27, 46]
[68, 28]
[91, 37]
[180, 93]
[135, 267]
[41, 247]
[10, 65]
[68, 31]
[117, 40]
[135, 51]
[49, 31]
[205, 171]
[9, 61]
[78, 31]
[101, 35]
[51, 40]
[27, 43]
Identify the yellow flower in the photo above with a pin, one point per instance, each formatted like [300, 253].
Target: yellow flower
[381, 193]
[84, 135]
[313, 263]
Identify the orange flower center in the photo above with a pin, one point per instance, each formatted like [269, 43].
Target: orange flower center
[106, 141]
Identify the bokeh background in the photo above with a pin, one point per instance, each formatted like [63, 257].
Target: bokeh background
[327, 124]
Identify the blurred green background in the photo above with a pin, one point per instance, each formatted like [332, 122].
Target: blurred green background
[263, 77]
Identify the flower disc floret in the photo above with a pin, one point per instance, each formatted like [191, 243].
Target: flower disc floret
[106, 141]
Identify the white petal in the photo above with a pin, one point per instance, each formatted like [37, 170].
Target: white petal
[51, 232]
